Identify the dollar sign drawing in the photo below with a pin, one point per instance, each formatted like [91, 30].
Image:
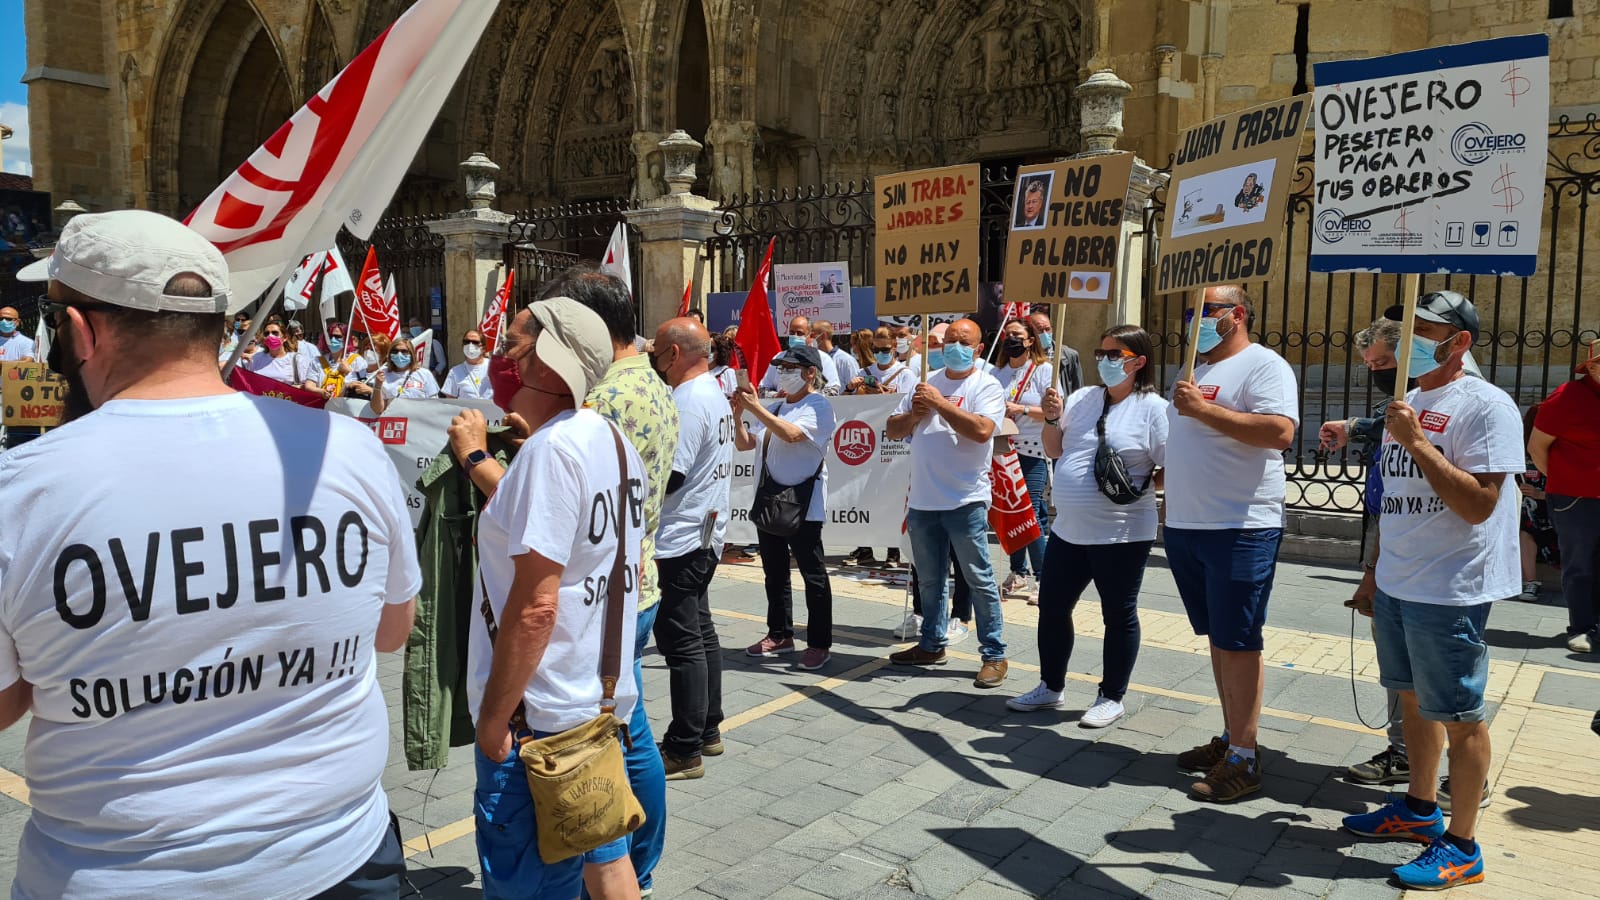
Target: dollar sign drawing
[1510, 195]
[1516, 84]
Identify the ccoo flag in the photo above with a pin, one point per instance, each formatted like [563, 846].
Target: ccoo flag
[496, 314]
[378, 312]
[758, 336]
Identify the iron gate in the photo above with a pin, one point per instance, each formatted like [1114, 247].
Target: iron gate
[541, 242]
[413, 254]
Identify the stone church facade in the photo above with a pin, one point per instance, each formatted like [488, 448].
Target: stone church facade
[151, 104]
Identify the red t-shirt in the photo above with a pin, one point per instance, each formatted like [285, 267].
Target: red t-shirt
[1572, 417]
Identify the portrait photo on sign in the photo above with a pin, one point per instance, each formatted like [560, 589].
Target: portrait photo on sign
[834, 282]
[1089, 286]
[1033, 200]
[1226, 198]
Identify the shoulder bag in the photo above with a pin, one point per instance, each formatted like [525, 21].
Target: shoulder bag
[780, 509]
[1110, 474]
[578, 778]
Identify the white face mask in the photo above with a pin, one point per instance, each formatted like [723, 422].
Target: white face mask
[471, 351]
[791, 382]
[902, 346]
[371, 356]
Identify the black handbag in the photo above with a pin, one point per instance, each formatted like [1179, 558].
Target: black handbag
[780, 509]
[1110, 474]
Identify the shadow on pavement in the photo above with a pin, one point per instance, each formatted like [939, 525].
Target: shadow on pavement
[1547, 810]
[442, 883]
[1521, 640]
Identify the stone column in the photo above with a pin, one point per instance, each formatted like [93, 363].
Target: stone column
[474, 252]
[672, 229]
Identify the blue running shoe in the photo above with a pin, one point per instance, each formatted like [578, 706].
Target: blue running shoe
[1397, 821]
[1442, 866]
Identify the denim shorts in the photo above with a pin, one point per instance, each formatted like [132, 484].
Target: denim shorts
[508, 842]
[1225, 578]
[1435, 650]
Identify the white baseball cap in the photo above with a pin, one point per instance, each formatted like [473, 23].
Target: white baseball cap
[126, 258]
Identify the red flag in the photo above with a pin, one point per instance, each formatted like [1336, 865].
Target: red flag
[495, 314]
[688, 292]
[1011, 512]
[250, 383]
[380, 313]
[758, 336]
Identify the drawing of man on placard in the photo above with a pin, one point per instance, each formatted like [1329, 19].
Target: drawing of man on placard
[1251, 195]
[1032, 193]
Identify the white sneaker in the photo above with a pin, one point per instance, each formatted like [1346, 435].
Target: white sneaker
[1580, 643]
[956, 632]
[1040, 697]
[1105, 711]
[1530, 592]
[910, 627]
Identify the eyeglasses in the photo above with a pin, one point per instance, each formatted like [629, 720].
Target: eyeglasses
[1209, 311]
[474, 343]
[1114, 354]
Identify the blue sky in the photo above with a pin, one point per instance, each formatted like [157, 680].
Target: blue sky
[13, 93]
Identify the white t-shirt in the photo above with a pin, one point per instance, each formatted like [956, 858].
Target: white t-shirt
[947, 470]
[290, 368]
[416, 384]
[468, 381]
[844, 362]
[310, 360]
[727, 380]
[258, 602]
[794, 463]
[16, 347]
[914, 364]
[830, 375]
[899, 377]
[559, 498]
[1430, 554]
[1213, 481]
[705, 456]
[1136, 429]
[1026, 384]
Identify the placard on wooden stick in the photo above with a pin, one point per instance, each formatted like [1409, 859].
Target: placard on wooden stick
[927, 240]
[1066, 228]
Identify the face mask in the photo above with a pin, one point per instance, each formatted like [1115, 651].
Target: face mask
[1014, 347]
[791, 382]
[1209, 338]
[1047, 341]
[400, 360]
[471, 351]
[902, 346]
[238, 327]
[1111, 372]
[7, 326]
[62, 361]
[884, 357]
[335, 344]
[415, 331]
[371, 356]
[272, 342]
[504, 380]
[1384, 380]
[797, 340]
[1422, 361]
[958, 357]
[935, 359]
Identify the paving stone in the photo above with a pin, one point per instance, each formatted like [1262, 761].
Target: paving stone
[888, 803]
[945, 872]
[827, 836]
[965, 802]
[911, 835]
[808, 805]
[757, 876]
[847, 875]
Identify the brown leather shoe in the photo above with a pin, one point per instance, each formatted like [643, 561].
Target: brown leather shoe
[917, 656]
[992, 675]
[680, 769]
[1229, 780]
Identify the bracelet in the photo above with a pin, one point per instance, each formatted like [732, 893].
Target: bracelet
[1053, 423]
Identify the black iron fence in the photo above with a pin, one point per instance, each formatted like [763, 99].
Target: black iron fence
[541, 242]
[414, 255]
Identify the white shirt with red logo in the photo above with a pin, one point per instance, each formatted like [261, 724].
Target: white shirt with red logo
[949, 471]
[1430, 554]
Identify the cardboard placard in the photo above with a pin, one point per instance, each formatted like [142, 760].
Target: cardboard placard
[33, 396]
[1433, 160]
[927, 240]
[818, 291]
[1066, 227]
[1230, 187]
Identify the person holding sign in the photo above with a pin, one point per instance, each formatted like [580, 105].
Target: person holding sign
[1025, 374]
[1447, 551]
[1228, 427]
[951, 421]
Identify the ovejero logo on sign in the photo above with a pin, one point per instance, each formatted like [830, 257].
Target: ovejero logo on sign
[1475, 142]
[854, 442]
[1333, 225]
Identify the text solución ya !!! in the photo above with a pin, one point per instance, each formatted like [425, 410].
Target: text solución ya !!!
[1385, 150]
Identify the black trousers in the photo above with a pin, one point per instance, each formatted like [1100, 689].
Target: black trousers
[806, 545]
[687, 639]
[1117, 571]
[1577, 521]
[377, 878]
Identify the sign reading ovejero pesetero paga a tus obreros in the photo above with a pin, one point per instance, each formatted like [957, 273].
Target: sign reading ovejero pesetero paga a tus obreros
[927, 240]
[1066, 227]
[1225, 204]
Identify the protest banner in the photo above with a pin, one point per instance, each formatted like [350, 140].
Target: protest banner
[927, 240]
[1066, 228]
[32, 395]
[414, 433]
[1011, 512]
[818, 291]
[246, 381]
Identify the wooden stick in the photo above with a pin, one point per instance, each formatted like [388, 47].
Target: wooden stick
[1055, 344]
[1197, 309]
[1410, 287]
[922, 325]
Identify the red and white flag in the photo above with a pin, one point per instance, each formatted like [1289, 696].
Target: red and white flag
[496, 313]
[339, 159]
[375, 307]
[615, 262]
[326, 269]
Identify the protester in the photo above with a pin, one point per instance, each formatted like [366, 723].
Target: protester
[800, 336]
[694, 520]
[272, 785]
[1228, 429]
[280, 359]
[885, 375]
[1566, 447]
[402, 376]
[231, 336]
[469, 380]
[1447, 551]
[1025, 374]
[1071, 369]
[723, 355]
[803, 425]
[14, 347]
[1537, 541]
[861, 349]
[951, 421]
[906, 353]
[843, 363]
[310, 356]
[341, 363]
[697, 314]
[550, 532]
[432, 356]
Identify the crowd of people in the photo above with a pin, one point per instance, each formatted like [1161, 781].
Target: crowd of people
[270, 603]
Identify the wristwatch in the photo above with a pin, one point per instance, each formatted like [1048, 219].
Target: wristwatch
[476, 457]
[1053, 423]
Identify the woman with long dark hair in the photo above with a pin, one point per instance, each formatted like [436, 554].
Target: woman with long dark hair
[1101, 541]
[1025, 373]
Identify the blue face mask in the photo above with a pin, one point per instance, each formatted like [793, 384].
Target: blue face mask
[1209, 338]
[1422, 361]
[958, 357]
[884, 357]
[335, 344]
[7, 326]
[797, 340]
[400, 360]
[1047, 341]
[935, 359]
[1111, 372]
[416, 331]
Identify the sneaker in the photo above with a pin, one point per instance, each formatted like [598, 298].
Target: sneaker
[1443, 865]
[680, 768]
[712, 746]
[1396, 821]
[1530, 592]
[1229, 780]
[1388, 767]
[956, 632]
[1104, 712]
[770, 646]
[1444, 794]
[1205, 756]
[749, 552]
[861, 556]
[1010, 584]
[814, 658]
[992, 674]
[910, 627]
[1033, 597]
[1040, 697]
[916, 656]
[1580, 643]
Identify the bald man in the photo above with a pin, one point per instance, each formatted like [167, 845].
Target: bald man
[14, 346]
[800, 336]
[694, 518]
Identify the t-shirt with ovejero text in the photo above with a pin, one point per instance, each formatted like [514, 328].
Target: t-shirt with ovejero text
[695, 516]
[561, 498]
[194, 600]
[1429, 554]
[949, 471]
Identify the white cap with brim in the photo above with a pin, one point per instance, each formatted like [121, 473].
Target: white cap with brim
[574, 342]
[127, 257]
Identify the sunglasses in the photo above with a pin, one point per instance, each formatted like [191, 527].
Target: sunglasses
[475, 343]
[1209, 311]
[789, 368]
[1114, 354]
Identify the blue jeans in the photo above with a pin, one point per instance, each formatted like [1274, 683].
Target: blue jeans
[1435, 650]
[646, 773]
[1036, 472]
[964, 531]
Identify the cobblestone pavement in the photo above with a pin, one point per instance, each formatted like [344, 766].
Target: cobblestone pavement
[866, 780]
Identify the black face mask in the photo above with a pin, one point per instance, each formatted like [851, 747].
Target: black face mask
[62, 361]
[1384, 380]
[1014, 347]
